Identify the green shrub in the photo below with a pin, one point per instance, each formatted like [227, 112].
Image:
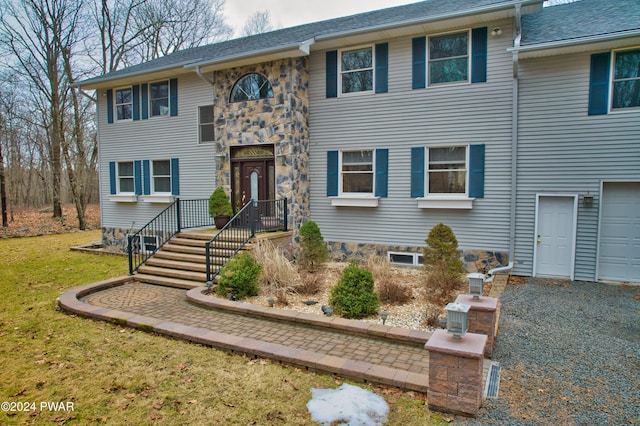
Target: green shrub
[313, 252]
[442, 249]
[219, 204]
[354, 295]
[239, 277]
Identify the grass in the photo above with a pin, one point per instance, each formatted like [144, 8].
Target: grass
[118, 375]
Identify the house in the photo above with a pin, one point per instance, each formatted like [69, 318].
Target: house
[517, 125]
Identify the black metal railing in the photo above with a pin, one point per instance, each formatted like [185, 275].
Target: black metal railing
[258, 216]
[255, 216]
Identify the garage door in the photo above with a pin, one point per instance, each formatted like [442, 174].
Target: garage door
[619, 252]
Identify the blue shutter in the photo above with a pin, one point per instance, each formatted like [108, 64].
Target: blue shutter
[332, 74]
[137, 177]
[332, 173]
[113, 189]
[417, 171]
[476, 171]
[109, 106]
[144, 91]
[599, 83]
[479, 55]
[382, 67]
[173, 97]
[419, 62]
[146, 172]
[382, 172]
[136, 102]
[175, 177]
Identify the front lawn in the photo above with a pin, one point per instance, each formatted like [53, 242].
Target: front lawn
[105, 373]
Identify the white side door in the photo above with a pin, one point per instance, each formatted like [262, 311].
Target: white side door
[554, 251]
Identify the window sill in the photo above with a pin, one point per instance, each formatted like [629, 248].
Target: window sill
[159, 198]
[346, 201]
[438, 202]
[121, 198]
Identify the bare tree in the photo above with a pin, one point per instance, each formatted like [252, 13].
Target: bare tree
[179, 24]
[258, 23]
[3, 188]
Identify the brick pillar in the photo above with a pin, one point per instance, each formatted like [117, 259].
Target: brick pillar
[482, 318]
[455, 372]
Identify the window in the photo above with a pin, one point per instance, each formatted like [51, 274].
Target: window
[126, 180]
[123, 102]
[448, 177]
[626, 79]
[159, 98]
[412, 259]
[205, 117]
[449, 58]
[251, 87]
[357, 172]
[161, 176]
[357, 178]
[447, 170]
[356, 70]
[149, 243]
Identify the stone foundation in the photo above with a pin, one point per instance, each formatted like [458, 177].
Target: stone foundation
[474, 260]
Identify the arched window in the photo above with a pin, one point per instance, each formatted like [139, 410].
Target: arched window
[250, 87]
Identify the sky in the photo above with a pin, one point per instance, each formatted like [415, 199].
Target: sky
[288, 13]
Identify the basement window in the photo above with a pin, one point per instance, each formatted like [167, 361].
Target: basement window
[409, 259]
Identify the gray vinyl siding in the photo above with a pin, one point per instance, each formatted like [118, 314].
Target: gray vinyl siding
[477, 113]
[157, 138]
[561, 149]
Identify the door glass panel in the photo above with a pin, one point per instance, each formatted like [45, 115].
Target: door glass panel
[254, 186]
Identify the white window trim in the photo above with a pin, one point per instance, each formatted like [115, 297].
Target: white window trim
[142, 246]
[446, 201]
[121, 198]
[159, 194]
[612, 71]
[150, 106]
[469, 53]
[415, 257]
[116, 104]
[154, 198]
[373, 69]
[356, 199]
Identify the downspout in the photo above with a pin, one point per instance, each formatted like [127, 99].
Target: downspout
[514, 148]
[204, 77]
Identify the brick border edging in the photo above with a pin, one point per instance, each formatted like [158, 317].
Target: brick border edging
[197, 296]
[357, 370]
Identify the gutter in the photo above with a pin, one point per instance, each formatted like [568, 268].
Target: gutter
[433, 18]
[575, 41]
[304, 47]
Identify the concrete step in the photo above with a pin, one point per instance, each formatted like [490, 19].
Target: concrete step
[176, 264]
[173, 273]
[168, 282]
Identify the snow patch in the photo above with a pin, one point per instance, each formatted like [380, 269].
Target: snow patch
[348, 405]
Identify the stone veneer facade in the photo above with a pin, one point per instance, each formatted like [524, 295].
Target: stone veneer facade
[474, 260]
[281, 121]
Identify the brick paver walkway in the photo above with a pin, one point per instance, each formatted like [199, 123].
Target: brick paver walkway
[170, 304]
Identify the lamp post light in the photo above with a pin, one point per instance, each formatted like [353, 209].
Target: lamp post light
[476, 285]
[271, 301]
[457, 319]
[384, 315]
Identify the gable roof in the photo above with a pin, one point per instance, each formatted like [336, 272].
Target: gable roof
[297, 37]
[583, 21]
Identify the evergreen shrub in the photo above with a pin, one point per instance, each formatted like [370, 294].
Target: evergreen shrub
[354, 295]
[239, 277]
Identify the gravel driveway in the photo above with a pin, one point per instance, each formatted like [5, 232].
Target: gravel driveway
[569, 354]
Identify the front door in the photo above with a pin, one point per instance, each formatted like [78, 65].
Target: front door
[252, 174]
[555, 236]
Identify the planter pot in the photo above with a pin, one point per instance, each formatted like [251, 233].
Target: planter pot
[221, 221]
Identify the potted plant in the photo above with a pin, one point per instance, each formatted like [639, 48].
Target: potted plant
[220, 207]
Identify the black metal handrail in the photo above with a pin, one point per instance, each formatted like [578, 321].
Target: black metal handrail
[179, 215]
[255, 216]
[187, 214]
